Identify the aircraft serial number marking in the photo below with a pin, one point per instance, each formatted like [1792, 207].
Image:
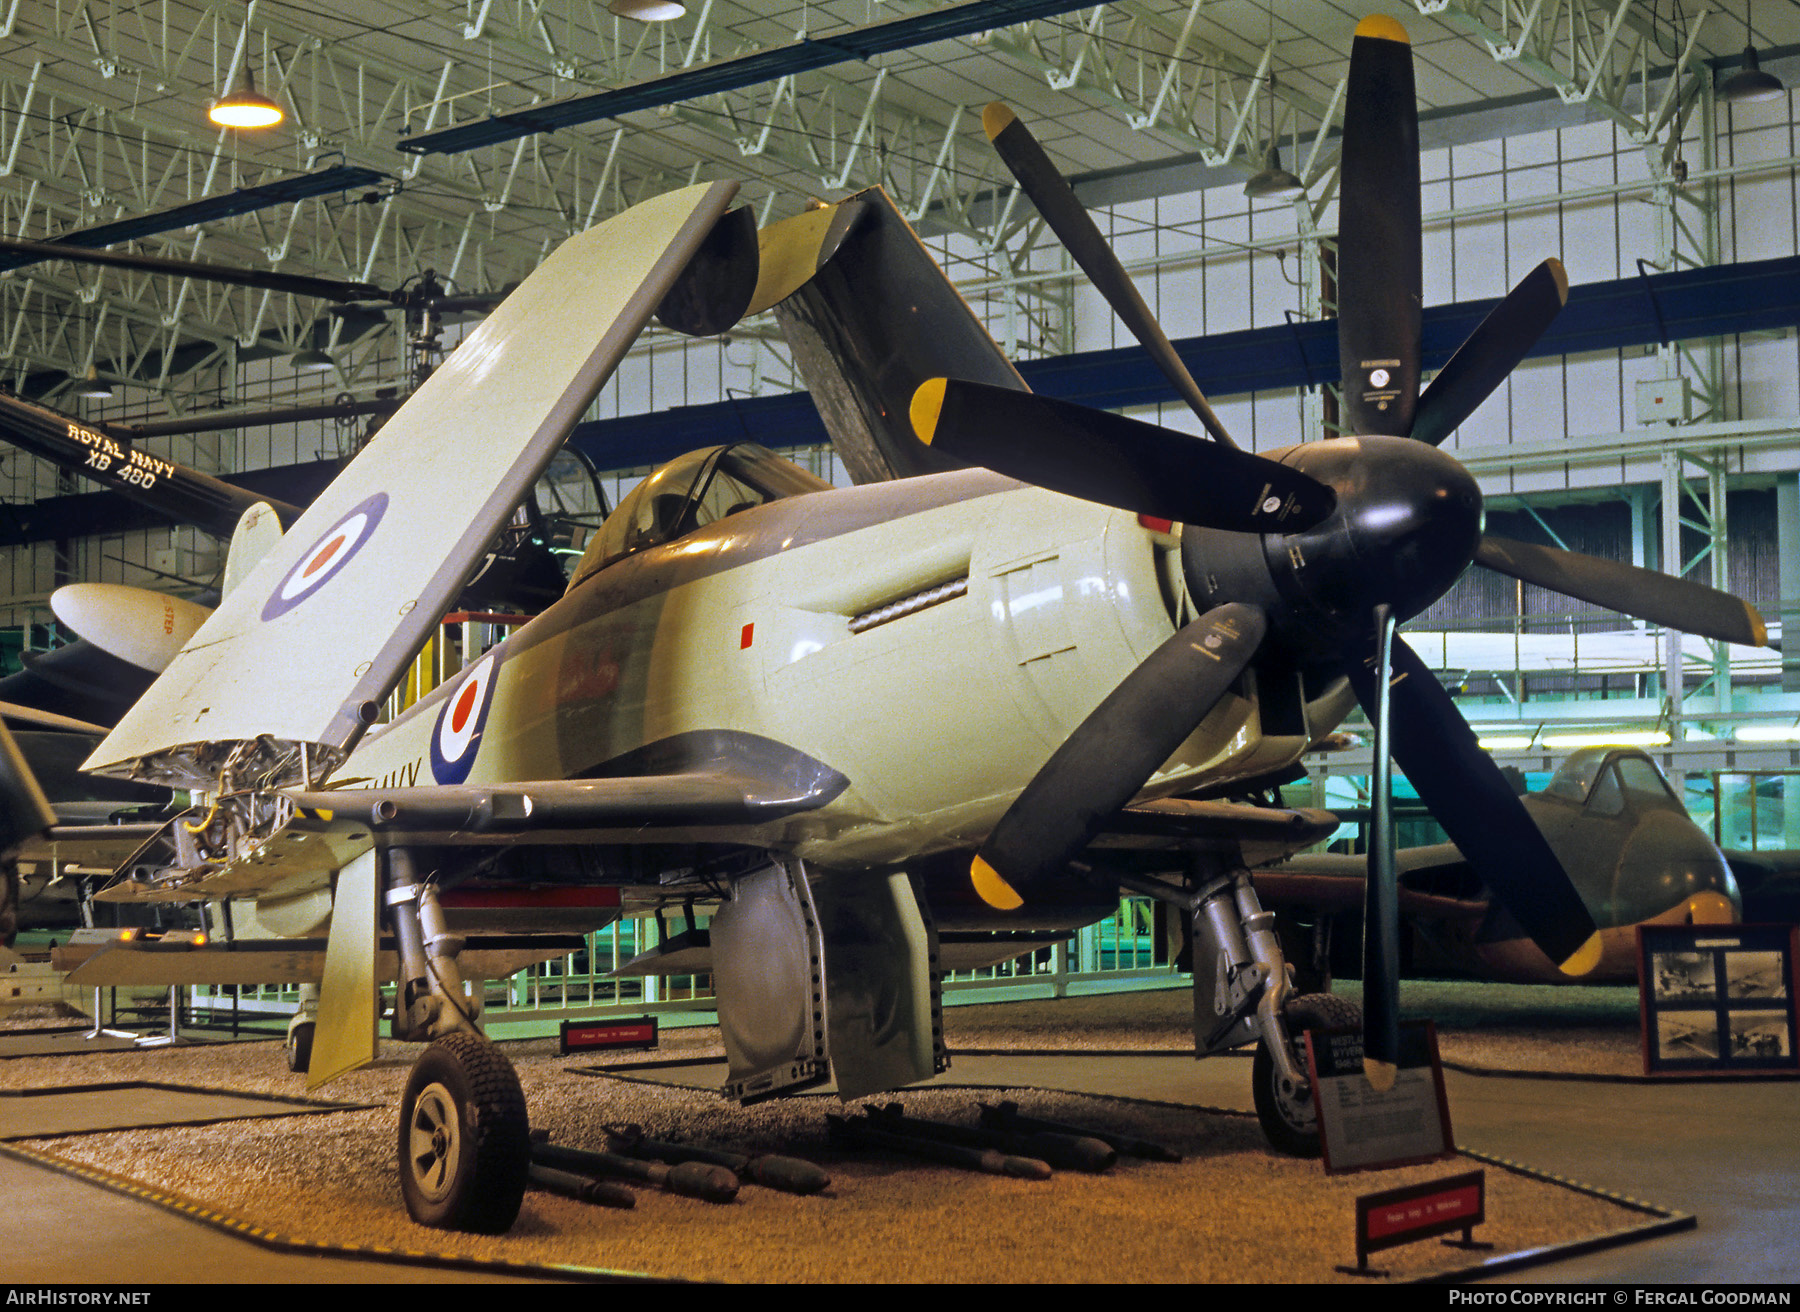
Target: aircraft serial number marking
[138, 469]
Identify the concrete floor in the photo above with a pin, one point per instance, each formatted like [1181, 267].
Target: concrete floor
[1725, 1152]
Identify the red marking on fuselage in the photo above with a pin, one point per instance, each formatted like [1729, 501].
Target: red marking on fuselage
[744, 638]
[323, 557]
[464, 705]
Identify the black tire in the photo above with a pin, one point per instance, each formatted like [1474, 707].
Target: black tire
[9, 905]
[1291, 1124]
[299, 1046]
[465, 1140]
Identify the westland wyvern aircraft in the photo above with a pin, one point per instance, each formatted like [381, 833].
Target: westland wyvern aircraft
[820, 707]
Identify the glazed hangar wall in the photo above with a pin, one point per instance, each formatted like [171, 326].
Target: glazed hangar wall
[1208, 262]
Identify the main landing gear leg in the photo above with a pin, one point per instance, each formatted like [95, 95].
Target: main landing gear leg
[465, 1137]
[1247, 977]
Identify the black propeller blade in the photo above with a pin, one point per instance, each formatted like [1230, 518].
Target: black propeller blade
[1108, 458]
[1381, 892]
[1103, 764]
[1641, 593]
[1075, 228]
[1491, 352]
[1379, 280]
[1471, 799]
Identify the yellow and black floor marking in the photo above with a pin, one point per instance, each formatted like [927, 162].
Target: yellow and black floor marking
[256, 1234]
[1664, 1221]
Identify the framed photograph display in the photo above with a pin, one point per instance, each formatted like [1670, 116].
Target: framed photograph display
[1719, 999]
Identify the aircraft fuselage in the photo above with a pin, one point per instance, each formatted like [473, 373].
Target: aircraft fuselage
[932, 639]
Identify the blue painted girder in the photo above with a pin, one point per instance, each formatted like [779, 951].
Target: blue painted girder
[1602, 316]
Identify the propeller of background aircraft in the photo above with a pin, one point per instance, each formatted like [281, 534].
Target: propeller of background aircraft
[1382, 523]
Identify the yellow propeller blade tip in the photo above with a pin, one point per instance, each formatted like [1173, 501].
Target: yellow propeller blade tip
[1562, 278]
[927, 402]
[1759, 630]
[1584, 958]
[1379, 1074]
[1383, 28]
[995, 119]
[995, 891]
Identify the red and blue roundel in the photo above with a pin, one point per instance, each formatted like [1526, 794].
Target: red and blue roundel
[327, 556]
[456, 734]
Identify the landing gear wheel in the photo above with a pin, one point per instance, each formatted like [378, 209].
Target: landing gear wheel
[1291, 1121]
[299, 1046]
[465, 1141]
[9, 904]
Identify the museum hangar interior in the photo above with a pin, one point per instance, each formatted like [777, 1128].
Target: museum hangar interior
[436, 155]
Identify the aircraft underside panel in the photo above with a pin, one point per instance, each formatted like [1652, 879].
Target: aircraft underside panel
[767, 972]
[882, 1006]
[825, 976]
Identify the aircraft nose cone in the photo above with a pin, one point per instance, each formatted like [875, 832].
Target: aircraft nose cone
[1407, 523]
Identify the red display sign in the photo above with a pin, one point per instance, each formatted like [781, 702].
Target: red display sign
[1403, 1218]
[1420, 1211]
[605, 1035]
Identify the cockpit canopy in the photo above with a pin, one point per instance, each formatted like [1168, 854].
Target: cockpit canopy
[690, 492]
[1603, 778]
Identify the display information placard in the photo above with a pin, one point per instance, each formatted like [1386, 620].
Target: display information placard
[1420, 1211]
[608, 1035]
[1719, 999]
[1361, 1129]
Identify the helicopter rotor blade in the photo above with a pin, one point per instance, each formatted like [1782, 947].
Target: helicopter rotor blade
[298, 284]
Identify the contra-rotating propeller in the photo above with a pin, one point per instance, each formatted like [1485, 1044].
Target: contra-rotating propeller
[1382, 524]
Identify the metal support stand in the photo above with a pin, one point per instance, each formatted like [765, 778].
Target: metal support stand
[173, 1038]
[99, 1031]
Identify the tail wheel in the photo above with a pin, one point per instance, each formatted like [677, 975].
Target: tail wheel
[1291, 1120]
[465, 1140]
[9, 904]
[299, 1045]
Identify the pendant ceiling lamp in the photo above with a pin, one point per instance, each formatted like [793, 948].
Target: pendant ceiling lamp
[1750, 84]
[243, 106]
[93, 386]
[648, 11]
[1273, 182]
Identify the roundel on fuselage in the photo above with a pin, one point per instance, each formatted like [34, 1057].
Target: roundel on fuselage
[334, 549]
[456, 733]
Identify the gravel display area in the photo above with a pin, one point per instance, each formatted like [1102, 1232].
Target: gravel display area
[1230, 1211]
[1515, 1028]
